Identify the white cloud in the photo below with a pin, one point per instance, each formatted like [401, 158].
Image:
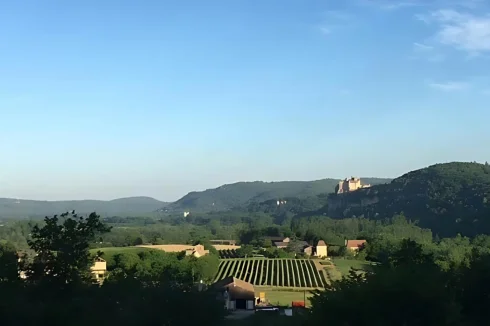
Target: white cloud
[450, 86]
[422, 47]
[427, 52]
[463, 31]
[334, 20]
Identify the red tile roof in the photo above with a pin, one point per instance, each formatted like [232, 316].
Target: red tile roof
[321, 243]
[355, 243]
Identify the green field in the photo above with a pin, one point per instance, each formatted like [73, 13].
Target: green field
[344, 265]
[284, 273]
[283, 298]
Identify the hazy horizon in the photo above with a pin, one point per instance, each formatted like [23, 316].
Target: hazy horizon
[112, 99]
[175, 199]
[109, 198]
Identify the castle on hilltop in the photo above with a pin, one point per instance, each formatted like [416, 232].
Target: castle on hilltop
[348, 185]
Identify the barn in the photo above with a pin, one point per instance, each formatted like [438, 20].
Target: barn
[235, 293]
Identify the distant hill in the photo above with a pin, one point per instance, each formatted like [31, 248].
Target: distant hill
[448, 198]
[15, 208]
[242, 194]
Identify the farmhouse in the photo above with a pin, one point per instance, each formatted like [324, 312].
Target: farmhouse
[308, 251]
[355, 245]
[279, 242]
[321, 249]
[99, 270]
[235, 293]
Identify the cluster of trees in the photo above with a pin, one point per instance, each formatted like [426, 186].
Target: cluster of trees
[423, 282]
[450, 199]
[408, 288]
[241, 194]
[250, 230]
[152, 263]
[59, 289]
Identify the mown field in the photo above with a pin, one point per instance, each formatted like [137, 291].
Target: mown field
[288, 273]
[344, 265]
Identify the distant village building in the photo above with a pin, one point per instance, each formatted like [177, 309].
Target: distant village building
[279, 242]
[186, 214]
[355, 245]
[197, 251]
[281, 202]
[308, 250]
[348, 185]
[99, 270]
[321, 249]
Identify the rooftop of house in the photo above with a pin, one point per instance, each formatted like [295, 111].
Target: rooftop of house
[355, 243]
[236, 288]
[281, 244]
[321, 243]
[275, 238]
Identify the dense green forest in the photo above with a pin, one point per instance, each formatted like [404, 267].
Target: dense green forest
[415, 283]
[448, 198]
[20, 208]
[146, 289]
[241, 194]
[428, 231]
[223, 198]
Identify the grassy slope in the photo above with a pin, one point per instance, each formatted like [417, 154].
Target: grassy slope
[10, 208]
[242, 193]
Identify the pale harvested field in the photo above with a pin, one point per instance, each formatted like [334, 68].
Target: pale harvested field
[226, 247]
[181, 247]
[169, 248]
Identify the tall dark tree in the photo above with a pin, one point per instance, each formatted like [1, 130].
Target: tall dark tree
[409, 290]
[9, 271]
[62, 248]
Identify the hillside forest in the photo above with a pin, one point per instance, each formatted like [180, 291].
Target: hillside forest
[427, 241]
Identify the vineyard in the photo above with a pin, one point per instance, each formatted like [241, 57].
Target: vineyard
[297, 273]
[228, 253]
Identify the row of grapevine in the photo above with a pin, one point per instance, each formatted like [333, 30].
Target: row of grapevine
[228, 253]
[294, 273]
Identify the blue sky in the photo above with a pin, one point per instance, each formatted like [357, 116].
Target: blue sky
[105, 99]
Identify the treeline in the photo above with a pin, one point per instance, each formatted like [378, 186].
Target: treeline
[409, 288]
[157, 289]
[251, 228]
[444, 283]
[149, 264]
[450, 199]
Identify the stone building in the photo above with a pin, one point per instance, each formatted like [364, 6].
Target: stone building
[350, 184]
